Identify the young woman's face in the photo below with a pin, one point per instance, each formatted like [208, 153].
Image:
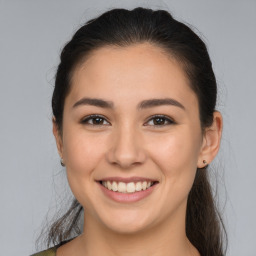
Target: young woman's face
[131, 123]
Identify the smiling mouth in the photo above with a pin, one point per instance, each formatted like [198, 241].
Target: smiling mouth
[126, 188]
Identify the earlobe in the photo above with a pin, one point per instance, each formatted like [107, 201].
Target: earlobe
[58, 138]
[211, 141]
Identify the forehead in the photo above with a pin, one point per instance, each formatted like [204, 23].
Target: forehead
[136, 71]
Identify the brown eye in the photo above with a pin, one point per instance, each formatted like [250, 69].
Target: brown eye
[160, 121]
[95, 120]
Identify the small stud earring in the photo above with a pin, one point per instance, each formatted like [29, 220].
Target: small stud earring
[204, 161]
[61, 162]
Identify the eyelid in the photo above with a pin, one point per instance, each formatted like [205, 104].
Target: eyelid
[87, 118]
[167, 118]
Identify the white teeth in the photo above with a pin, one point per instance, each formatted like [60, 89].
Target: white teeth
[114, 186]
[121, 187]
[144, 185]
[109, 185]
[130, 187]
[138, 186]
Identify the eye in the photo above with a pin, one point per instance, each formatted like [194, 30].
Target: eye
[160, 120]
[96, 120]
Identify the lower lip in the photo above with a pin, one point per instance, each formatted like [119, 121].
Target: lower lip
[127, 197]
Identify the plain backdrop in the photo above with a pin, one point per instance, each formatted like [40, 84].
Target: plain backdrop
[32, 182]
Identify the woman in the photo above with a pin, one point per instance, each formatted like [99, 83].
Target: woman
[136, 127]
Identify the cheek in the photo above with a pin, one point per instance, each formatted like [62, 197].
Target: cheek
[176, 157]
[82, 149]
[82, 153]
[176, 154]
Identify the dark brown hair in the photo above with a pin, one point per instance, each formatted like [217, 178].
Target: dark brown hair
[120, 27]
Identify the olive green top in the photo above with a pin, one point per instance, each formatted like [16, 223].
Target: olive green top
[51, 251]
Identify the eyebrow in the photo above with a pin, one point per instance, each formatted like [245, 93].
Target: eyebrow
[94, 102]
[159, 102]
[142, 105]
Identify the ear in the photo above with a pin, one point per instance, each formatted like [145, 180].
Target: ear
[211, 141]
[58, 138]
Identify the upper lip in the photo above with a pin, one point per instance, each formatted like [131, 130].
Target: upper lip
[127, 179]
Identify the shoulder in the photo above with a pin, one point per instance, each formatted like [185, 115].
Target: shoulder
[49, 252]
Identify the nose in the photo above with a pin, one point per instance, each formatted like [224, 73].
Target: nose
[126, 148]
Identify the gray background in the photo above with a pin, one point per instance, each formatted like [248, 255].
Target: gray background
[32, 182]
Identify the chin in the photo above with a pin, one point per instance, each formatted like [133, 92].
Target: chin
[128, 222]
[127, 228]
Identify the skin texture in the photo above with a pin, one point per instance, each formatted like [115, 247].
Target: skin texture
[130, 143]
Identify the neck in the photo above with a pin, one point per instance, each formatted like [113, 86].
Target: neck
[167, 238]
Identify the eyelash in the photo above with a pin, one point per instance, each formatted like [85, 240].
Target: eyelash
[91, 117]
[165, 118]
